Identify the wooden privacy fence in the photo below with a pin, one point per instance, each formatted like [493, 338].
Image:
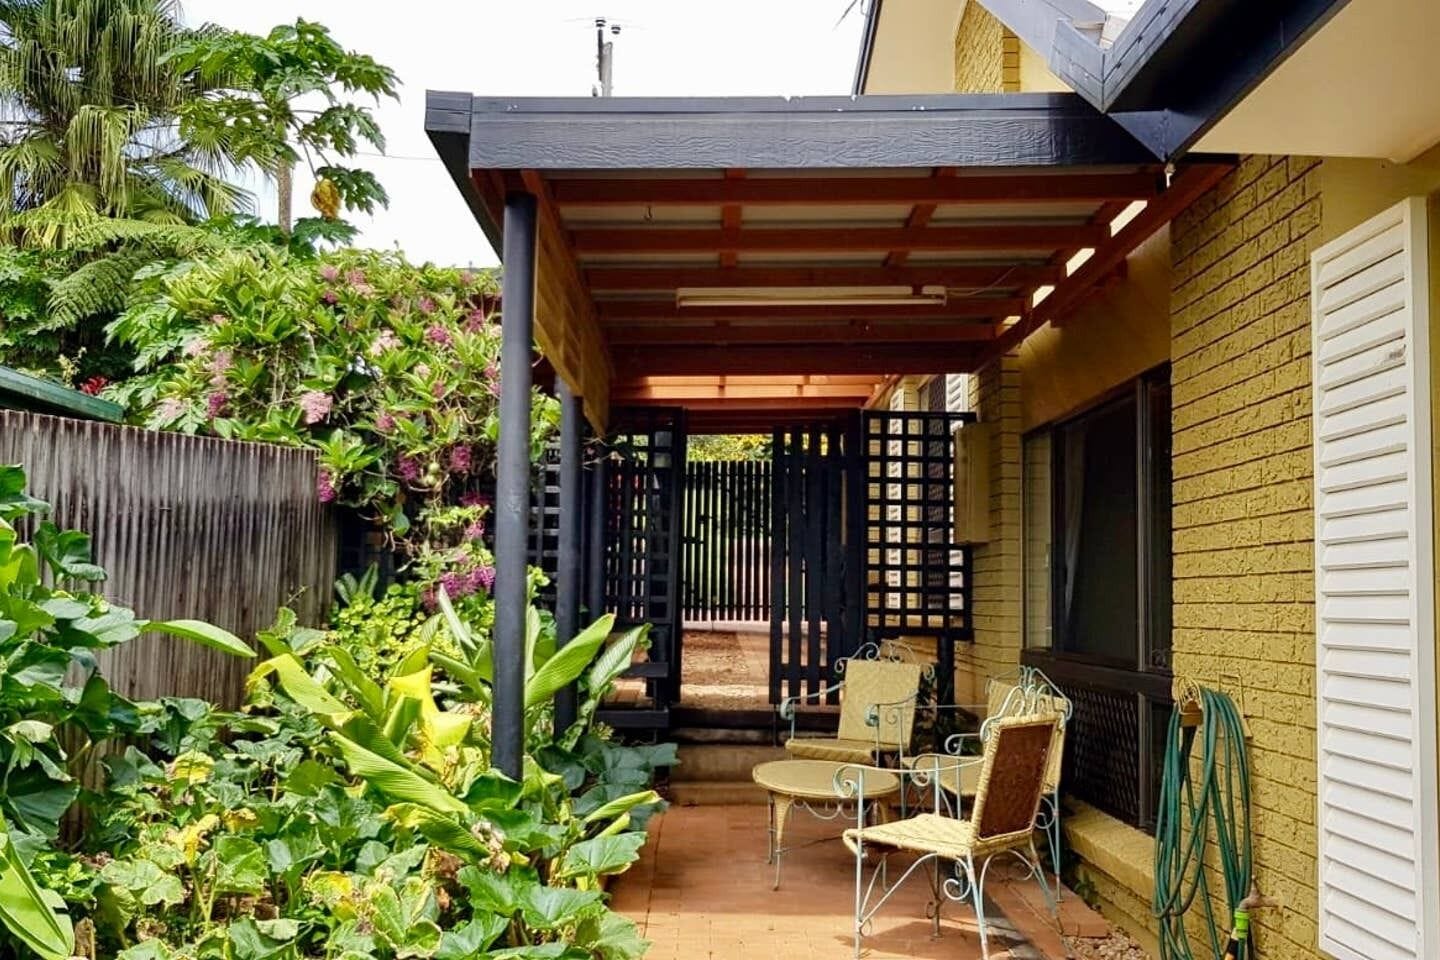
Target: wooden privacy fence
[726, 540]
[186, 527]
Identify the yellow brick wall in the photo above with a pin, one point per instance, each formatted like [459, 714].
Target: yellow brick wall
[987, 56]
[995, 397]
[1243, 557]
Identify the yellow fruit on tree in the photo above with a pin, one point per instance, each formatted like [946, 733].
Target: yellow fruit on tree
[326, 198]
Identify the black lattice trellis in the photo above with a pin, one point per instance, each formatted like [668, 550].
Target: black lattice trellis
[643, 519]
[916, 575]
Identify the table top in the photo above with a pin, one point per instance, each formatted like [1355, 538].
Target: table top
[815, 779]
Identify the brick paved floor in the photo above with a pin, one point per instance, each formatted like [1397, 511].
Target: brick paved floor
[702, 890]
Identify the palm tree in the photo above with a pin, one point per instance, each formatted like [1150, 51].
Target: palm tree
[90, 100]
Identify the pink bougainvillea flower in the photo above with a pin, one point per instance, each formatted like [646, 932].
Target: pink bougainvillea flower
[330, 297]
[315, 405]
[170, 409]
[408, 469]
[475, 320]
[438, 390]
[386, 341]
[195, 347]
[426, 305]
[329, 273]
[476, 531]
[456, 585]
[460, 459]
[94, 385]
[494, 388]
[487, 577]
[220, 364]
[324, 487]
[438, 334]
[385, 422]
[355, 277]
[215, 403]
[422, 370]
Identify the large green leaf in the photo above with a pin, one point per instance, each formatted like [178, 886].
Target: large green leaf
[619, 805]
[615, 660]
[205, 634]
[366, 691]
[490, 892]
[28, 912]
[614, 937]
[602, 855]
[13, 500]
[240, 865]
[548, 908]
[443, 831]
[568, 663]
[299, 685]
[399, 782]
[468, 939]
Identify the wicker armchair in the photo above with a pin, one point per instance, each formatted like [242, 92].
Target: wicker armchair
[1011, 782]
[1027, 692]
[878, 694]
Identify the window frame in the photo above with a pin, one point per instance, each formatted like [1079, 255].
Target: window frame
[1148, 678]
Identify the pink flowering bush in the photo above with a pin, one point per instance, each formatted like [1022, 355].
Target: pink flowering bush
[389, 371]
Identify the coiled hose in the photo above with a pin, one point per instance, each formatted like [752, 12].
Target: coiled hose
[1203, 802]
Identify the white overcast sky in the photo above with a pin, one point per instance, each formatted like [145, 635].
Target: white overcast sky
[545, 48]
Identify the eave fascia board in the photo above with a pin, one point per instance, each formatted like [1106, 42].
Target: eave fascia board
[447, 124]
[963, 130]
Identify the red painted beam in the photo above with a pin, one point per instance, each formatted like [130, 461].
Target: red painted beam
[859, 331]
[1003, 236]
[959, 308]
[602, 279]
[870, 358]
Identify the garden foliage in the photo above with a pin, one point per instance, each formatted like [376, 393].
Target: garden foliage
[348, 812]
[389, 371]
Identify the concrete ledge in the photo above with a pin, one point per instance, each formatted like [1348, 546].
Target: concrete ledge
[1120, 862]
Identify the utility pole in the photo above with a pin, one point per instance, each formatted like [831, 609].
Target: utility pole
[604, 57]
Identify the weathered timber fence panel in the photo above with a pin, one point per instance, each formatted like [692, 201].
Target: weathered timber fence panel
[726, 540]
[186, 527]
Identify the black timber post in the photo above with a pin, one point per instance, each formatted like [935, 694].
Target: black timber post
[595, 538]
[567, 573]
[512, 483]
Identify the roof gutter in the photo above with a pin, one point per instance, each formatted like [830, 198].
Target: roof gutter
[867, 47]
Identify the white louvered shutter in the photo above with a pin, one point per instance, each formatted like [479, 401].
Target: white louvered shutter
[1374, 581]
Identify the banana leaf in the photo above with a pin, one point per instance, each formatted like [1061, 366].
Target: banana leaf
[568, 663]
[26, 910]
[399, 782]
[205, 634]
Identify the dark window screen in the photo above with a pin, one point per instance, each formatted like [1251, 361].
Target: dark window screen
[1096, 510]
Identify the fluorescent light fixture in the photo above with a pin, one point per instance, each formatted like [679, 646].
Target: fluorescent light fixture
[809, 296]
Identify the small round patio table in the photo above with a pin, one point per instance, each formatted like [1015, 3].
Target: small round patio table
[811, 784]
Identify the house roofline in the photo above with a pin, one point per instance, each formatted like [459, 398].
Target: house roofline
[1177, 67]
[867, 47]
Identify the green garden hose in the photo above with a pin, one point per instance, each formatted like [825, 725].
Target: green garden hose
[1204, 801]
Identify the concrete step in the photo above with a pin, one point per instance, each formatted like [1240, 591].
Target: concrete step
[721, 762]
[716, 793]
